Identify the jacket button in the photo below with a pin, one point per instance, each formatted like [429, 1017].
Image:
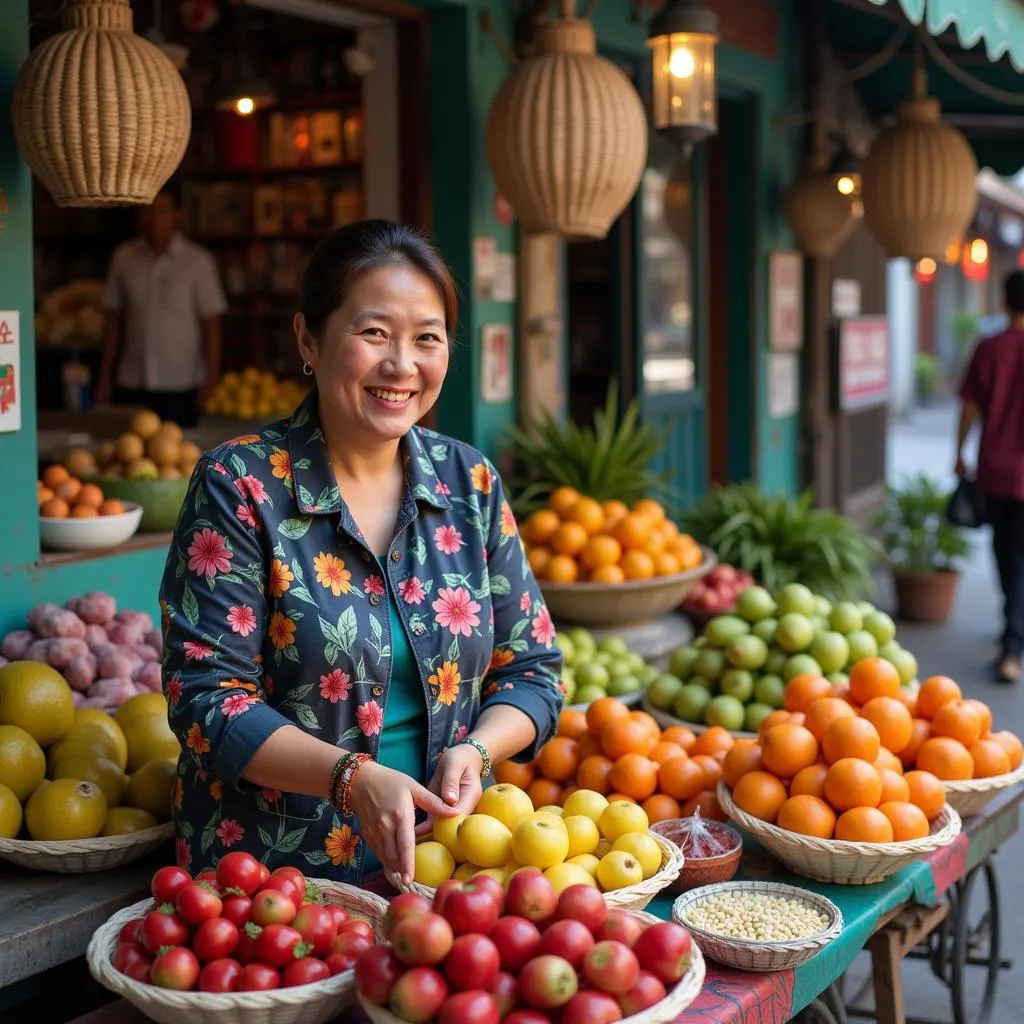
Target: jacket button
[419, 629]
[378, 691]
[396, 556]
[375, 599]
[366, 556]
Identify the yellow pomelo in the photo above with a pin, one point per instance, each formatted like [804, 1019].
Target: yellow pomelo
[36, 698]
[22, 763]
[149, 703]
[100, 719]
[149, 739]
[65, 809]
[123, 820]
[10, 813]
[89, 768]
[151, 788]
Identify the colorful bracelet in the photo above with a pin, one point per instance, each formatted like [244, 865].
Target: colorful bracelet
[341, 776]
[484, 753]
[348, 777]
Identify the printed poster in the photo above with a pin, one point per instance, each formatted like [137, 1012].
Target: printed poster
[10, 371]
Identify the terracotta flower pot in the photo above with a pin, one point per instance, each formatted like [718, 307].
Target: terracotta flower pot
[925, 596]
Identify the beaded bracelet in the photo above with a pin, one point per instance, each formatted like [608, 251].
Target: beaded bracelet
[348, 777]
[485, 756]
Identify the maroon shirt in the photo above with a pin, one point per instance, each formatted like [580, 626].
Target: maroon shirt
[994, 382]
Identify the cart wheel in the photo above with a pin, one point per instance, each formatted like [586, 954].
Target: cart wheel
[975, 945]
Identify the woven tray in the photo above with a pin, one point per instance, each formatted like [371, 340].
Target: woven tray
[764, 957]
[667, 720]
[970, 796]
[80, 856]
[632, 897]
[833, 860]
[303, 1004]
[667, 1010]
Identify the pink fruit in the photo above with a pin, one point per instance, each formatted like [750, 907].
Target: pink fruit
[590, 1007]
[582, 903]
[81, 673]
[504, 991]
[472, 963]
[611, 967]
[644, 994]
[621, 926]
[569, 940]
[377, 970]
[547, 982]
[516, 940]
[406, 904]
[96, 608]
[418, 995]
[422, 940]
[16, 644]
[470, 908]
[472, 1007]
[664, 950]
[531, 895]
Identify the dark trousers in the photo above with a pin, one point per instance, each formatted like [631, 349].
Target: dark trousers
[1006, 515]
[181, 407]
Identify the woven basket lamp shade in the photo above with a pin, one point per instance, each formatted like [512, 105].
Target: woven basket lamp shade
[919, 181]
[566, 136]
[819, 216]
[101, 115]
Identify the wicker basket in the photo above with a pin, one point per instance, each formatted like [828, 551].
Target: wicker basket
[747, 955]
[81, 856]
[622, 604]
[666, 721]
[833, 860]
[667, 1010]
[303, 1004]
[971, 796]
[632, 897]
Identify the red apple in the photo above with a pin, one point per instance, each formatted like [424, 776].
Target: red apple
[621, 926]
[570, 940]
[505, 992]
[522, 1016]
[422, 940]
[471, 909]
[516, 939]
[493, 886]
[473, 962]
[582, 903]
[405, 904]
[443, 891]
[664, 950]
[547, 981]
[377, 970]
[418, 995]
[590, 1007]
[471, 1007]
[611, 967]
[351, 944]
[531, 895]
[645, 993]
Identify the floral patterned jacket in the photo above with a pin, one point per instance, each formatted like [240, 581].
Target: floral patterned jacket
[275, 612]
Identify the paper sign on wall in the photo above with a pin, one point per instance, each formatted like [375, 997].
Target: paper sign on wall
[496, 363]
[485, 251]
[10, 371]
[783, 381]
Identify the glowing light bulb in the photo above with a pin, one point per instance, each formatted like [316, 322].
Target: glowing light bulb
[927, 267]
[846, 185]
[244, 105]
[979, 251]
[681, 64]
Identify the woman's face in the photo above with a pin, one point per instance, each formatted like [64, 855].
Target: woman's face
[383, 355]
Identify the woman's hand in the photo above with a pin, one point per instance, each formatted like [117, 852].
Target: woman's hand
[386, 803]
[457, 780]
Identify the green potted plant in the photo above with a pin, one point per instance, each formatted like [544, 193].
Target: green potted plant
[926, 371]
[924, 549]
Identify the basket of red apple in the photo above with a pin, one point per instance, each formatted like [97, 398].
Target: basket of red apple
[239, 945]
[716, 594]
[528, 955]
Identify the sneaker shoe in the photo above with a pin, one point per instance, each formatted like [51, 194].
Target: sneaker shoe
[1008, 670]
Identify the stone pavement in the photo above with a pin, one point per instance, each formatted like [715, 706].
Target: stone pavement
[963, 649]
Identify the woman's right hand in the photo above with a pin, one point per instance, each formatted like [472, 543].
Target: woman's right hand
[385, 801]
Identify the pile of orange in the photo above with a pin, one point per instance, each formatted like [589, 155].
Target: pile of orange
[625, 755]
[576, 538]
[865, 762]
[60, 495]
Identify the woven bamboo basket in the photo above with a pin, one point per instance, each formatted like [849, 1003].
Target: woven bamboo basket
[81, 856]
[303, 1004]
[667, 720]
[747, 955]
[971, 796]
[833, 860]
[667, 1010]
[632, 897]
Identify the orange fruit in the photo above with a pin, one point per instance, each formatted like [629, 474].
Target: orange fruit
[649, 722]
[908, 698]
[561, 569]
[824, 710]
[945, 758]
[808, 816]
[666, 564]
[607, 574]
[615, 797]
[55, 508]
[894, 786]
[566, 793]
[681, 778]
[538, 558]
[888, 760]
[631, 530]
[589, 514]
[662, 751]
[809, 781]
[112, 507]
[926, 792]
[589, 747]
[986, 714]
[43, 495]
[650, 508]
[1013, 747]
[710, 767]
[760, 794]
[843, 693]
[558, 759]
[569, 539]
[681, 734]
[851, 782]
[851, 737]
[892, 720]
[68, 489]
[773, 718]
[543, 792]
[863, 825]
[661, 807]
[625, 736]
[873, 677]
[803, 690]
[787, 748]
[593, 773]
[614, 510]
[989, 758]
[54, 475]
[572, 723]
[936, 691]
[959, 721]
[920, 731]
[908, 820]
[562, 499]
[540, 526]
[635, 775]
[741, 759]
[84, 512]
[637, 565]
[713, 740]
[706, 801]
[515, 774]
[654, 543]
[90, 495]
[600, 550]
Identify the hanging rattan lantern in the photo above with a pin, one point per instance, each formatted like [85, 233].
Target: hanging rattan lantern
[919, 181]
[566, 135]
[101, 115]
[677, 201]
[819, 216]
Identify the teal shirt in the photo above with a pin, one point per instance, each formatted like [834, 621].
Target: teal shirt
[403, 739]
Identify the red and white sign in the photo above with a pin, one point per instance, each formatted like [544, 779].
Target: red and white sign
[10, 371]
[496, 363]
[863, 362]
[785, 301]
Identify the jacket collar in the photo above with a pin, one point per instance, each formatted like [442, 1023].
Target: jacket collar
[316, 490]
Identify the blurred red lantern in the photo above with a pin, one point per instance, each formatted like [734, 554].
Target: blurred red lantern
[975, 261]
[924, 270]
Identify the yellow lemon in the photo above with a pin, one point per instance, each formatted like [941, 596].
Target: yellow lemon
[540, 842]
[148, 703]
[498, 874]
[554, 809]
[485, 840]
[619, 869]
[434, 864]
[644, 848]
[10, 813]
[583, 835]
[123, 820]
[36, 698]
[508, 803]
[149, 739]
[22, 763]
[621, 817]
[150, 788]
[100, 719]
[111, 780]
[446, 832]
[65, 809]
[585, 801]
[587, 861]
[464, 872]
[561, 876]
[542, 815]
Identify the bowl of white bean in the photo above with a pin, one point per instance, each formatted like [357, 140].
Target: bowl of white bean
[758, 926]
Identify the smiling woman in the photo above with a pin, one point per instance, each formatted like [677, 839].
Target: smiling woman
[352, 633]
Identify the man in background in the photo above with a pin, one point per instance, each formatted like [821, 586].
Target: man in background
[993, 391]
[163, 301]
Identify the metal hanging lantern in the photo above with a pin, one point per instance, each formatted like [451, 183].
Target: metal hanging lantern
[846, 172]
[682, 38]
[100, 115]
[919, 181]
[819, 216]
[566, 136]
[245, 91]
